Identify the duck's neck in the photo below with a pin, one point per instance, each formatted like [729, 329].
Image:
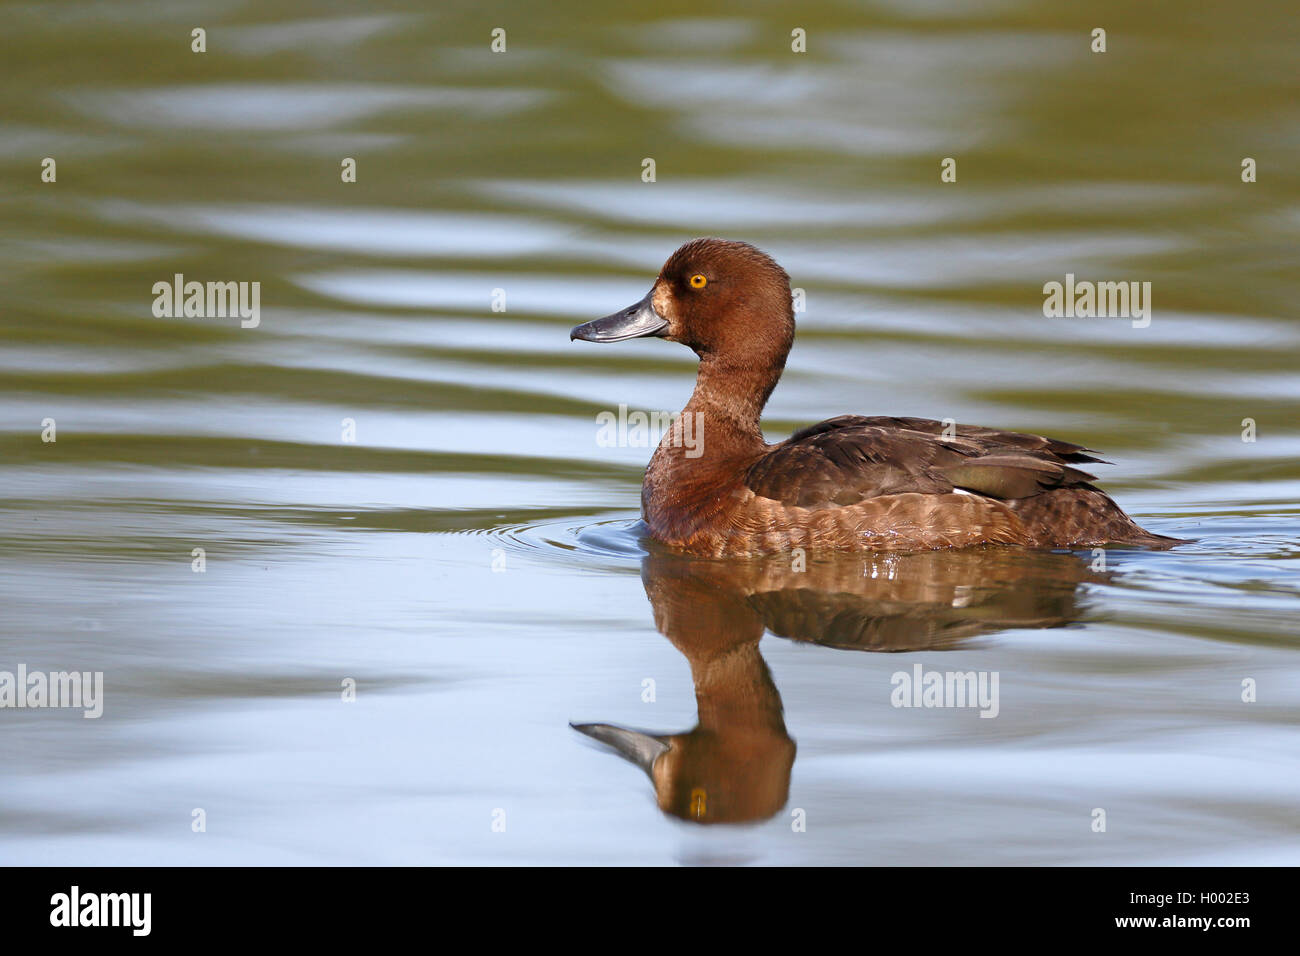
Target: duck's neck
[735, 695]
[733, 393]
[701, 461]
[722, 418]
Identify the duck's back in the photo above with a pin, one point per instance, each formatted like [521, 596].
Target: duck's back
[882, 483]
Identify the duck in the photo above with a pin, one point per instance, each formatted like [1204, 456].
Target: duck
[715, 487]
[734, 765]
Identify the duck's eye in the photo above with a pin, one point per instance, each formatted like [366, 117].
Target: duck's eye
[698, 281]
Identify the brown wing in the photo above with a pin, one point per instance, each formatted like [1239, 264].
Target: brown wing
[848, 459]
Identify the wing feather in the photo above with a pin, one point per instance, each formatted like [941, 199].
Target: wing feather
[845, 460]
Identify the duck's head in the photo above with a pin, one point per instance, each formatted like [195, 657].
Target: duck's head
[709, 774]
[716, 296]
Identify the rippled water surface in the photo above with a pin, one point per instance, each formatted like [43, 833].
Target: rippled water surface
[473, 561]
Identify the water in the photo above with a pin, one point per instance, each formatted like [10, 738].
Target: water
[473, 562]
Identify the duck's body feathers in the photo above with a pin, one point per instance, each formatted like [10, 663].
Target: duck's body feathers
[845, 460]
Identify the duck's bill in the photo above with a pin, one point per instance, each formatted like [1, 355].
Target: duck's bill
[633, 322]
[632, 745]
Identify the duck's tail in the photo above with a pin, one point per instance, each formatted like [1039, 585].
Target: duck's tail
[1085, 516]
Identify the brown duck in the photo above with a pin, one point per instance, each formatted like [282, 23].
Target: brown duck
[716, 487]
[734, 766]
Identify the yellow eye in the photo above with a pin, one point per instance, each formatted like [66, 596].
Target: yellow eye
[698, 281]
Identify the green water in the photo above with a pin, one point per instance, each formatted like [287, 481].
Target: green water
[467, 551]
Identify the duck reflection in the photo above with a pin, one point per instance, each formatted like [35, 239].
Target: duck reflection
[734, 765]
